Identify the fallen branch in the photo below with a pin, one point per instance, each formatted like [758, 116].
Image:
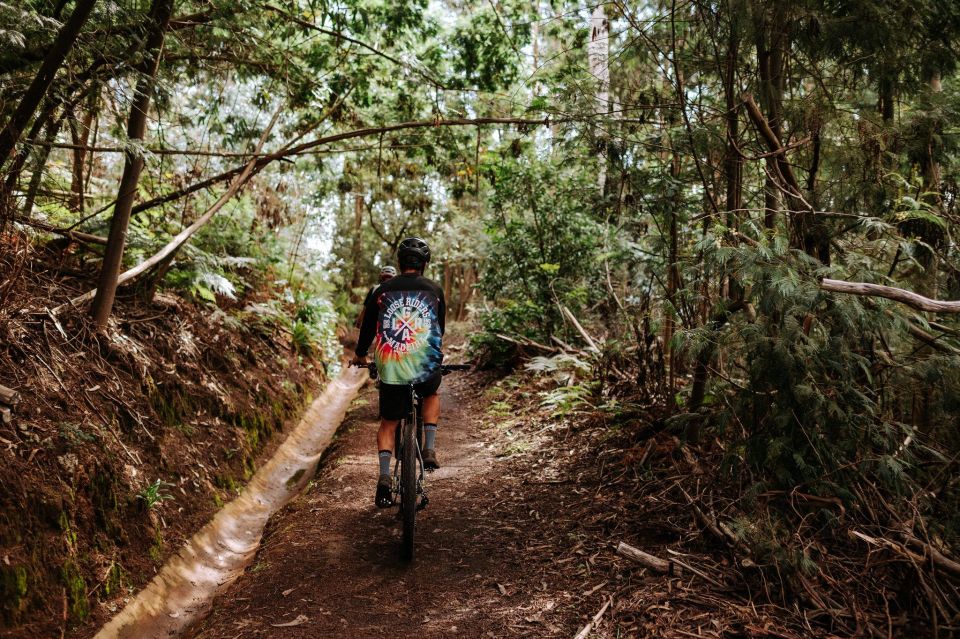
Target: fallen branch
[79, 236]
[675, 559]
[930, 554]
[937, 557]
[647, 560]
[8, 396]
[911, 299]
[264, 160]
[593, 622]
[569, 315]
[526, 341]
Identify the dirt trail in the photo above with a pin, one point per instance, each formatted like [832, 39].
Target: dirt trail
[329, 563]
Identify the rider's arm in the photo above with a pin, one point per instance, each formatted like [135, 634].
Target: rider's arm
[369, 326]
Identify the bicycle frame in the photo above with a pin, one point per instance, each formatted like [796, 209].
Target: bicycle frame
[413, 419]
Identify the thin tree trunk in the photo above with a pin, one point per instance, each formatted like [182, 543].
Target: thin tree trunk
[466, 289]
[136, 127]
[673, 277]
[45, 119]
[733, 163]
[931, 234]
[80, 135]
[447, 281]
[357, 245]
[13, 130]
[885, 89]
[733, 174]
[39, 164]
[769, 43]
[598, 52]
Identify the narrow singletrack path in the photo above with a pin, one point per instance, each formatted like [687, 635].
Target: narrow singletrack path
[329, 565]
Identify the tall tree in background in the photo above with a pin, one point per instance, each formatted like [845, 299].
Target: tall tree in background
[598, 53]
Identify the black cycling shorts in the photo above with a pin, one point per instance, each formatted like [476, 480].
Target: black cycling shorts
[395, 398]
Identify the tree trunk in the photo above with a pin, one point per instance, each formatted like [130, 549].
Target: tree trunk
[598, 53]
[80, 135]
[466, 290]
[673, 276]
[733, 163]
[15, 168]
[136, 127]
[770, 41]
[885, 89]
[13, 130]
[931, 234]
[447, 281]
[39, 164]
[355, 279]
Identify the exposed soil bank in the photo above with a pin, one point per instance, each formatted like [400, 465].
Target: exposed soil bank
[216, 555]
[124, 446]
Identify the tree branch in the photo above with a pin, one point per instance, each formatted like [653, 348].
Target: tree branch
[181, 238]
[263, 160]
[364, 45]
[914, 300]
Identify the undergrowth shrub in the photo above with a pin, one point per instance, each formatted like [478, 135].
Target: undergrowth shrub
[826, 394]
[543, 251]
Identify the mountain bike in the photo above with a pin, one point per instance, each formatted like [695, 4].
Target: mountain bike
[408, 476]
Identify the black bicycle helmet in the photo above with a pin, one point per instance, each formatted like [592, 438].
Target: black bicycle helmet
[413, 252]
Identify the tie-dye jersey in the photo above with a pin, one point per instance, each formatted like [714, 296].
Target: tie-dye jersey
[408, 311]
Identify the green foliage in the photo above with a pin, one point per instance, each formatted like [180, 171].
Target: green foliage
[483, 55]
[564, 400]
[510, 318]
[153, 495]
[312, 326]
[544, 249]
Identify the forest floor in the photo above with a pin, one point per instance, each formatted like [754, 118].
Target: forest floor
[518, 539]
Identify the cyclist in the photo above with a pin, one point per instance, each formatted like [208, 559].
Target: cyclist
[386, 273]
[404, 321]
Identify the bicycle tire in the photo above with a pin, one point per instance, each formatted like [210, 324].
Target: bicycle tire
[408, 489]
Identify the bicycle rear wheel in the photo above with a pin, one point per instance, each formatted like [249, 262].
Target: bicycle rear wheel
[408, 488]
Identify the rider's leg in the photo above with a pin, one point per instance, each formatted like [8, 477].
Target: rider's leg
[385, 441]
[431, 417]
[386, 436]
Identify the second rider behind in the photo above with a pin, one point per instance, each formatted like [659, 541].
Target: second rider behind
[404, 321]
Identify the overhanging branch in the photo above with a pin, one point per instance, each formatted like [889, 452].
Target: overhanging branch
[263, 160]
[914, 300]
